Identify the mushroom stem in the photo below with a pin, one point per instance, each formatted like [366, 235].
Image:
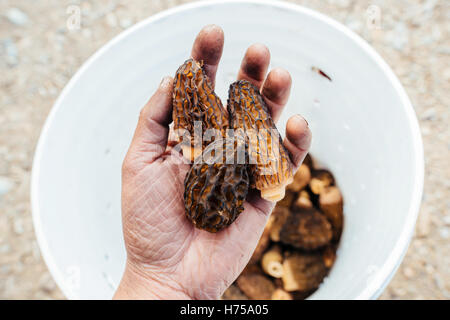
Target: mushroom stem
[280, 294]
[275, 193]
[272, 262]
[301, 178]
[303, 201]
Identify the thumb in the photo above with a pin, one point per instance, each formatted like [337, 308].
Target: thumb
[150, 136]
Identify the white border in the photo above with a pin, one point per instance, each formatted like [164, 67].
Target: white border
[384, 274]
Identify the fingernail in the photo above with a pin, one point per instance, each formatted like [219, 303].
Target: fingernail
[165, 82]
[300, 117]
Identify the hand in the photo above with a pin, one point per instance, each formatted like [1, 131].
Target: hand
[167, 257]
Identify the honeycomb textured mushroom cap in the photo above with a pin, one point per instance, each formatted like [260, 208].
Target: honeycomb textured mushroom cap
[269, 160]
[196, 108]
[215, 191]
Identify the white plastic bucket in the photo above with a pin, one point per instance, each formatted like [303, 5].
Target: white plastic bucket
[364, 130]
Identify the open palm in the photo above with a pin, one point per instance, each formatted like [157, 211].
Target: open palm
[165, 252]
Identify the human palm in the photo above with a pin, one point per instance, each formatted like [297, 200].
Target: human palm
[165, 250]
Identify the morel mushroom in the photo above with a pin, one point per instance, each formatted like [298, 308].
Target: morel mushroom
[331, 204]
[306, 229]
[309, 161]
[277, 220]
[301, 178]
[256, 286]
[234, 293]
[215, 190]
[303, 272]
[320, 180]
[269, 159]
[289, 197]
[197, 110]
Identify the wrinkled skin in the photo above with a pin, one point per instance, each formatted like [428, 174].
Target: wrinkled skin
[167, 257]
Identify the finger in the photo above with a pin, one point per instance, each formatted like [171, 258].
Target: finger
[298, 139]
[208, 47]
[254, 65]
[276, 90]
[150, 136]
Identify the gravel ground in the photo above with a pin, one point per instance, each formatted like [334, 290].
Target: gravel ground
[39, 54]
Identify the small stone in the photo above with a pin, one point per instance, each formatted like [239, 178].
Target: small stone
[35, 251]
[46, 283]
[446, 219]
[425, 130]
[429, 6]
[12, 55]
[5, 248]
[27, 259]
[5, 185]
[17, 17]
[439, 283]
[355, 25]
[125, 23]
[87, 33]
[399, 37]
[53, 91]
[446, 74]
[111, 20]
[86, 8]
[429, 268]
[44, 59]
[423, 224]
[18, 226]
[436, 33]
[42, 91]
[428, 114]
[5, 269]
[343, 3]
[408, 272]
[399, 292]
[444, 233]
